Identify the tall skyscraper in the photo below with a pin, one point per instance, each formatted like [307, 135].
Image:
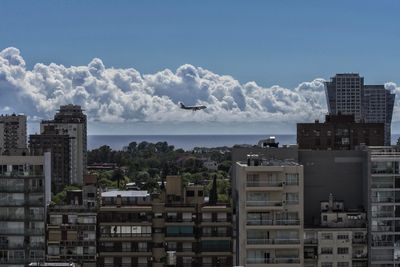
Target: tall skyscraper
[347, 94]
[71, 121]
[12, 133]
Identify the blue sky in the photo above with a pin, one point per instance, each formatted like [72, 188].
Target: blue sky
[281, 43]
[270, 42]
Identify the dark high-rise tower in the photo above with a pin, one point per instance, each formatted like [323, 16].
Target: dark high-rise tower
[59, 145]
[70, 120]
[347, 94]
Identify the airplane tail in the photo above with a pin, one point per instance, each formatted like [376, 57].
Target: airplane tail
[182, 105]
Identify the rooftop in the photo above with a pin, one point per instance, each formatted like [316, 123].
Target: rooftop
[255, 160]
[125, 193]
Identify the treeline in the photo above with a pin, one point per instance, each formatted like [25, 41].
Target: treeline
[146, 163]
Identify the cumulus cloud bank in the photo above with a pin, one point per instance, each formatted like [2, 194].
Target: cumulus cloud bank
[126, 95]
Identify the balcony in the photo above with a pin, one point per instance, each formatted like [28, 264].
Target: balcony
[23, 231]
[361, 256]
[263, 203]
[382, 199]
[216, 234]
[273, 222]
[382, 185]
[293, 260]
[383, 214]
[376, 243]
[264, 184]
[276, 241]
[311, 240]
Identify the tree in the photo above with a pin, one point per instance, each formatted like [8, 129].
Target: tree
[118, 175]
[213, 198]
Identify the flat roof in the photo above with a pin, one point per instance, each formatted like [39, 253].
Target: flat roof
[125, 193]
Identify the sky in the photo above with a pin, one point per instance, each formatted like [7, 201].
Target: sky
[255, 64]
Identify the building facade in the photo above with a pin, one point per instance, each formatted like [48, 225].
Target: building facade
[24, 195]
[50, 140]
[71, 121]
[339, 132]
[384, 205]
[12, 133]
[269, 208]
[347, 94]
[173, 228]
[340, 239]
[71, 229]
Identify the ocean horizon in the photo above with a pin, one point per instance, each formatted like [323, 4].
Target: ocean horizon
[190, 141]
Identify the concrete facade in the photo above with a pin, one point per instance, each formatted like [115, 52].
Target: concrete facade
[71, 121]
[24, 196]
[347, 94]
[269, 210]
[383, 206]
[12, 133]
[339, 132]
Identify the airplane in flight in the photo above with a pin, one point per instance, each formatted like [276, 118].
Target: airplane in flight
[194, 108]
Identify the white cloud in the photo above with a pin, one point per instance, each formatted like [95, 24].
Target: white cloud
[123, 95]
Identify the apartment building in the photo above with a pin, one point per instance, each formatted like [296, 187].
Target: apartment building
[12, 133]
[269, 206]
[71, 229]
[50, 140]
[172, 228]
[71, 121]
[340, 240]
[24, 195]
[347, 94]
[383, 205]
[339, 132]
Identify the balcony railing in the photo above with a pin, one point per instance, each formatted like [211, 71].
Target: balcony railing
[273, 260]
[264, 184]
[382, 185]
[21, 231]
[382, 199]
[376, 243]
[261, 203]
[276, 241]
[383, 214]
[311, 240]
[273, 222]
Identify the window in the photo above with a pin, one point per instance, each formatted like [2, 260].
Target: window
[292, 198]
[221, 217]
[292, 179]
[142, 246]
[126, 246]
[343, 237]
[326, 236]
[343, 251]
[190, 193]
[343, 264]
[187, 217]
[326, 251]
[171, 246]
[207, 216]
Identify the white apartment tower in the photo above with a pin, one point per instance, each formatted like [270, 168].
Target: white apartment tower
[70, 120]
[269, 206]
